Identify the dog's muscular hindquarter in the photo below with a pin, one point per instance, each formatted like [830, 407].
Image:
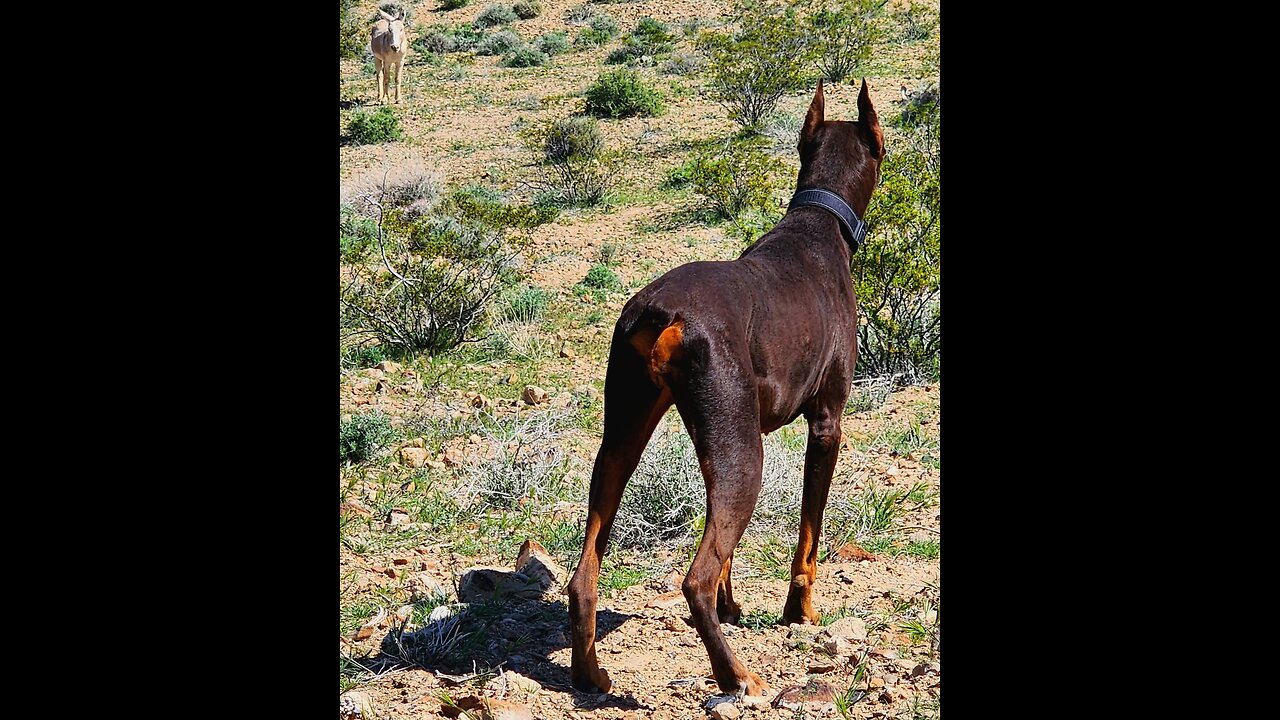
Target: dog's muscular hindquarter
[740, 348]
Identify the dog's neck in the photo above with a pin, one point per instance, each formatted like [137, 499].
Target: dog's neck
[850, 186]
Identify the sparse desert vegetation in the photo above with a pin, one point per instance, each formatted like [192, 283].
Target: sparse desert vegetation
[549, 158]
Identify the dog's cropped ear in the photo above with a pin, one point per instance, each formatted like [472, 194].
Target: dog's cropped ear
[869, 122]
[813, 118]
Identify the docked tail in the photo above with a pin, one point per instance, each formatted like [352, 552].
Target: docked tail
[661, 349]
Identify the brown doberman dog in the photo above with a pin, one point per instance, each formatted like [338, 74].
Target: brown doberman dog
[741, 348]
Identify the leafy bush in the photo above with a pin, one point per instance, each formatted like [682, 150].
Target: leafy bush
[495, 14]
[604, 23]
[649, 39]
[356, 235]
[737, 178]
[379, 126]
[525, 56]
[499, 43]
[917, 21]
[363, 356]
[453, 4]
[622, 93]
[602, 28]
[600, 277]
[526, 304]
[435, 40]
[578, 171]
[361, 436]
[572, 136]
[466, 36]
[653, 33]
[590, 38]
[844, 33]
[751, 69]
[431, 288]
[629, 52]
[527, 9]
[896, 273]
[354, 32]
[553, 43]
[684, 64]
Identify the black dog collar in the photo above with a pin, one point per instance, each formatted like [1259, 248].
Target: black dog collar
[852, 227]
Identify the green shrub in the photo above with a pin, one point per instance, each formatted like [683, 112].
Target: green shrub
[649, 39]
[363, 435]
[751, 69]
[653, 33]
[604, 23]
[440, 272]
[590, 38]
[737, 178]
[622, 93]
[495, 14]
[553, 43]
[526, 304]
[357, 234]
[600, 277]
[527, 9]
[354, 32]
[896, 272]
[363, 356]
[466, 36]
[499, 43]
[915, 22]
[602, 28]
[629, 52]
[435, 40]
[577, 170]
[379, 126]
[525, 56]
[844, 34]
[573, 136]
[453, 4]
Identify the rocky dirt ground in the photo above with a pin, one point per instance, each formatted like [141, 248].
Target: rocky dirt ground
[404, 540]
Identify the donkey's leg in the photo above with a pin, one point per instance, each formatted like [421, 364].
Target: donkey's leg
[382, 78]
[722, 417]
[819, 464]
[399, 78]
[633, 406]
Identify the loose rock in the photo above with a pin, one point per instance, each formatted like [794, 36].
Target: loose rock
[533, 395]
[354, 704]
[414, 457]
[535, 561]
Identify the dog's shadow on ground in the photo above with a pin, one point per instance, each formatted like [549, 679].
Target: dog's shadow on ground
[470, 648]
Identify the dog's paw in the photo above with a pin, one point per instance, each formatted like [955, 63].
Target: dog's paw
[593, 680]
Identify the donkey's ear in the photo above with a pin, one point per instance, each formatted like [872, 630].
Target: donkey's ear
[869, 122]
[385, 16]
[814, 117]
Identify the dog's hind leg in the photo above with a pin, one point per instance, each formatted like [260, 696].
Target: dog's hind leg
[728, 610]
[632, 408]
[722, 417]
[819, 464]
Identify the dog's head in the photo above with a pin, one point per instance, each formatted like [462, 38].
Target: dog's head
[830, 149]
